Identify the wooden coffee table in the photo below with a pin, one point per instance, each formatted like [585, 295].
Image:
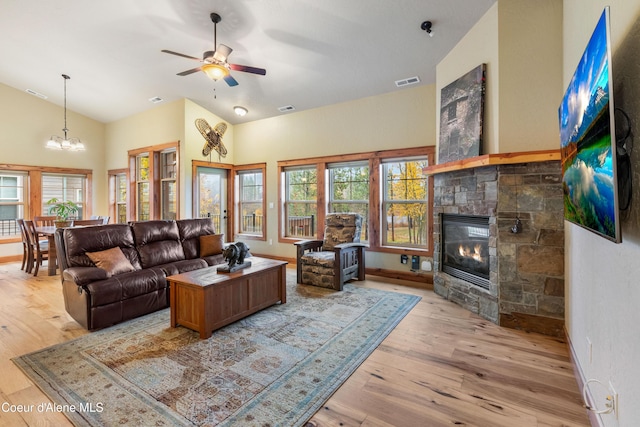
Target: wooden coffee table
[205, 300]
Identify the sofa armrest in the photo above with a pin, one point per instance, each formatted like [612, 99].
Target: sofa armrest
[306, 245]
[342, 246]
[84, 275]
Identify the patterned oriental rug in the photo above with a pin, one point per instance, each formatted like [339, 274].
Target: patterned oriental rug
[276, 367]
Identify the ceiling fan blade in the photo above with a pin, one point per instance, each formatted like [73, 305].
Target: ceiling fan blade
[248, 69]
[191, 71]
[182, 55]
[222, 52]
[230, 80]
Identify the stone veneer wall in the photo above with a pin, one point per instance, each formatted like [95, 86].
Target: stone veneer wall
[527, 268]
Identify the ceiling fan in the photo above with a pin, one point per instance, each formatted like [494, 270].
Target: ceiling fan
[215, 64]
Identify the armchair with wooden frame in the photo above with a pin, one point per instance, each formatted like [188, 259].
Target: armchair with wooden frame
[331, 262]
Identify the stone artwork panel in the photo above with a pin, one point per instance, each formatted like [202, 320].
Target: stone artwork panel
[461, 116]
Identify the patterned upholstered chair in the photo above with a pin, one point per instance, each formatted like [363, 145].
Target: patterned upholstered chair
[331, 262]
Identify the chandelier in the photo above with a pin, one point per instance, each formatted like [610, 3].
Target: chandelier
[69, 144]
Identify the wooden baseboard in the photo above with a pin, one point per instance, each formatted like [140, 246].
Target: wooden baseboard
[533, 323]
[419, 277]
[422, 278]
[291, 261]
[10, 258]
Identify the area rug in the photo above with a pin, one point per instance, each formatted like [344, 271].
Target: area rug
[276, 367]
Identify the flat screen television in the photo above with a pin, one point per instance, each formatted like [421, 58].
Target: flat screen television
[587, 139]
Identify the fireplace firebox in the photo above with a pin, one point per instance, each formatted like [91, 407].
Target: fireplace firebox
[465, 248]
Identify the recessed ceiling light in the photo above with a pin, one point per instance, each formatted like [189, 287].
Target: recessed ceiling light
[156, 100]
[240, 111]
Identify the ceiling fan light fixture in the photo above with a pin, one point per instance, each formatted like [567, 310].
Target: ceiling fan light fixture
[215, 71]
[240, 111]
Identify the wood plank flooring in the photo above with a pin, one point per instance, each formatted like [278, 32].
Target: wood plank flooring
[441, 366]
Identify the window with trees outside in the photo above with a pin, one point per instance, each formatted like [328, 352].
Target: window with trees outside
[154, 191]
[251, 199]
[404, 203]
[301, 202]
[387, 187]
[143, 208]
[349, 191]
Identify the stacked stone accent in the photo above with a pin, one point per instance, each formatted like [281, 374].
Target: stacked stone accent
[527, 268]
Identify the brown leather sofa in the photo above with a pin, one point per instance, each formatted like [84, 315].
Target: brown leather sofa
[154, 249]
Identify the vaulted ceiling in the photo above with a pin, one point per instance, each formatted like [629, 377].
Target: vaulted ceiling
[316, 52]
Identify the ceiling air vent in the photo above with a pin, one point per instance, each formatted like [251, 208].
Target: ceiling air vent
[34, 93]
[407, 82]
[156, 99]
[286, 108]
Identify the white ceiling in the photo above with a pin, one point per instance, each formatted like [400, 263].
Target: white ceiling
[316, 52]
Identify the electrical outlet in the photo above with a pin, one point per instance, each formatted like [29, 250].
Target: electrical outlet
[613, 400]
[271, 241]
[589, 350]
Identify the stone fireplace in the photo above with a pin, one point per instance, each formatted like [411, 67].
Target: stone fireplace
[524, 285]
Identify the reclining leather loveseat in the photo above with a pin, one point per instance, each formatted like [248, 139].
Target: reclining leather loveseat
[112, 273]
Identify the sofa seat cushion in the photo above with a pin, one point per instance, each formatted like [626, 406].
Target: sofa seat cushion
[125, 286]
[183, 266]
[322, 258]
[214, 259]
[158, 242]
[321, 280]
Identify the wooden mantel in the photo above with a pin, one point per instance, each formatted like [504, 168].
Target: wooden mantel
[493, 159]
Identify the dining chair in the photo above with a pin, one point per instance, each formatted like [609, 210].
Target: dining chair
[27, 253]
[39, 250]
[83, 222]
[44, 220]
[105, 219]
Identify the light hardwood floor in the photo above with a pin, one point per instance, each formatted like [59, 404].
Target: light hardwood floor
[441, 366]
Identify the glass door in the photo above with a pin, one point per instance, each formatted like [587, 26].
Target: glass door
[211, 196]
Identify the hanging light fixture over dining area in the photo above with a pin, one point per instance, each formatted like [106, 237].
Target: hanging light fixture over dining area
[66, 143]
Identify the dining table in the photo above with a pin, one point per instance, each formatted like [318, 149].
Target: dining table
[49, 232]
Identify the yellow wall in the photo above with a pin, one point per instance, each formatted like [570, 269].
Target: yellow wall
[166, 123]
[405, 118]
[27, 123]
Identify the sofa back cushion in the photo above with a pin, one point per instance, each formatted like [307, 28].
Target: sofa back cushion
[78, 241]
[190, 232]
[158, 242]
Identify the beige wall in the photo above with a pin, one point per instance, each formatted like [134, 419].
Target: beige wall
[601, 280]
[405, 118]
[530, 52]
[27, 123]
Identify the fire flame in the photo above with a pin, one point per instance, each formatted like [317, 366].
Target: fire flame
[465, 251]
